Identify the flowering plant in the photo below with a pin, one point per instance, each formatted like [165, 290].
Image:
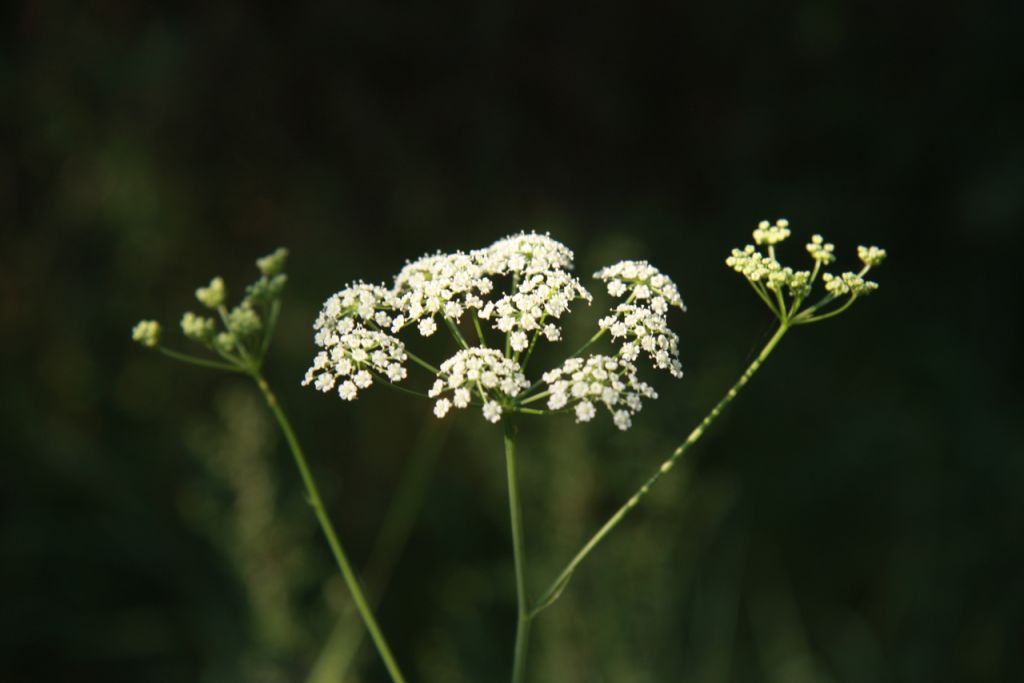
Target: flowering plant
[497, 304]
[518, 289]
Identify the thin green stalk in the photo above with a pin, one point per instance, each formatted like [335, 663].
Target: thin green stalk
[338, 654]
[533, 342]
[531, 411]
[600, 333]
[271, 325]
[456, 334]
[384, 381]
[805, 318]
[516, 514]
[559, 584]
[479, 330]
[590, 342]
[535, 397]
[764, 297]
[195, 360]
[328, 529]
[422, 363]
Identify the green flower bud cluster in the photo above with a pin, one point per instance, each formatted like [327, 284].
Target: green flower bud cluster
[786, 290]
[847, 283]
[771, 235]
[147, 333]
[273, 264]
[212, 295]
[243, 320]
[871, 256]
[197, 327]
[820, 251]
[241, 335]
[766, 271]
[272, 281]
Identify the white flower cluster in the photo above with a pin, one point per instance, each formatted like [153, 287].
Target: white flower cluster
[351, 355]
[522, 286]
[525, 254]
[540, 296]
[359, 301]
[450, 284]
[349, 329]
[477, 372]
[641, 281]
[644, 329]
[545, 289]
[771, 235]
[439, 284]
[643, 325]
[598, 379]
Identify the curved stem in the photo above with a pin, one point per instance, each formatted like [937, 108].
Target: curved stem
[559, 584]
[328, 529]
[516, 514]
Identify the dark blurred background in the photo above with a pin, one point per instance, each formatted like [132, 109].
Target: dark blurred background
[855, 516]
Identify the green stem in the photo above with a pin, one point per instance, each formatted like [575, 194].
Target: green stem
[384, 381]
[195, 360]
[535, 397]
[479, 330]
[759, 289]
[328, 529]
[533, 342]
[337, 655]
[805, 319]
[516, 514]
[559, 584]
[422, 363]
[531, 411]
[590, 342]
[601, 332]
[271, 325]
[456, 334]
[251, 364]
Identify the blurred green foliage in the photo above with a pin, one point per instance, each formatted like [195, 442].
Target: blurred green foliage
[864, 526]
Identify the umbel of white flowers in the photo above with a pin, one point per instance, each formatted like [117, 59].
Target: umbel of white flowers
[515, 292]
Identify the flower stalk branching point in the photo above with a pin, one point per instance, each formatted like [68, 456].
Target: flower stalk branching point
[786, 291]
